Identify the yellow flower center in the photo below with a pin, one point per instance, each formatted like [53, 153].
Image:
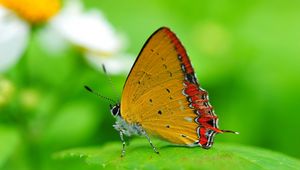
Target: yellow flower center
[34, 11]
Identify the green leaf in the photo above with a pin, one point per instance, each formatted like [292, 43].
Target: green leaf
[139, 155]
[9, 139]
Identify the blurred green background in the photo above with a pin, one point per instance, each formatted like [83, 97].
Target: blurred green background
[246, 55]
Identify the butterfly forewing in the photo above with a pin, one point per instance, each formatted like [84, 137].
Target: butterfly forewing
[153, 93]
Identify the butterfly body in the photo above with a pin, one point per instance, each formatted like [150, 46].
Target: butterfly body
[162, 96]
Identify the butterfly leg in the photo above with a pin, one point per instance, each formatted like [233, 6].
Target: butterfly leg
[123, 144]
[151, 144]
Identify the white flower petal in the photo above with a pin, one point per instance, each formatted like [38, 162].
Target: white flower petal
[14, 34]
[52, 42]
[89, 30]
[113, 65]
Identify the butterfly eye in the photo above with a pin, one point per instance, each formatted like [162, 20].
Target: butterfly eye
[115, 110]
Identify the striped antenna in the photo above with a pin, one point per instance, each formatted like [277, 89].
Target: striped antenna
[98, 94]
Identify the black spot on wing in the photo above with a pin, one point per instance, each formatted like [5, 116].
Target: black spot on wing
[165, 66]
[191, 78]
[159, 112]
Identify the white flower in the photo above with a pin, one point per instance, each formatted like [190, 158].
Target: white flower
[88, 30]
[14, 34]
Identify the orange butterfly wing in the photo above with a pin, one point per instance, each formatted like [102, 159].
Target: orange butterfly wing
[161, 94]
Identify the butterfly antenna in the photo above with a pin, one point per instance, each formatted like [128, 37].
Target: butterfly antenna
[98, 94]
[110, 81]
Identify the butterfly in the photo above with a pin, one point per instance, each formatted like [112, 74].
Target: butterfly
[162, 97]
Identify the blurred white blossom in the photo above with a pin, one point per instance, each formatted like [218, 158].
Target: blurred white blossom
[14, 34]
[87, 29]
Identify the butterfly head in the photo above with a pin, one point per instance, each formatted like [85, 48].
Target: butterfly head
[115, 110]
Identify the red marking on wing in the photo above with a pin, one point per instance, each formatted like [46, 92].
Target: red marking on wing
[197, 99]
[180, 49]
[192, 90]
[203, 139]
[203, 120]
